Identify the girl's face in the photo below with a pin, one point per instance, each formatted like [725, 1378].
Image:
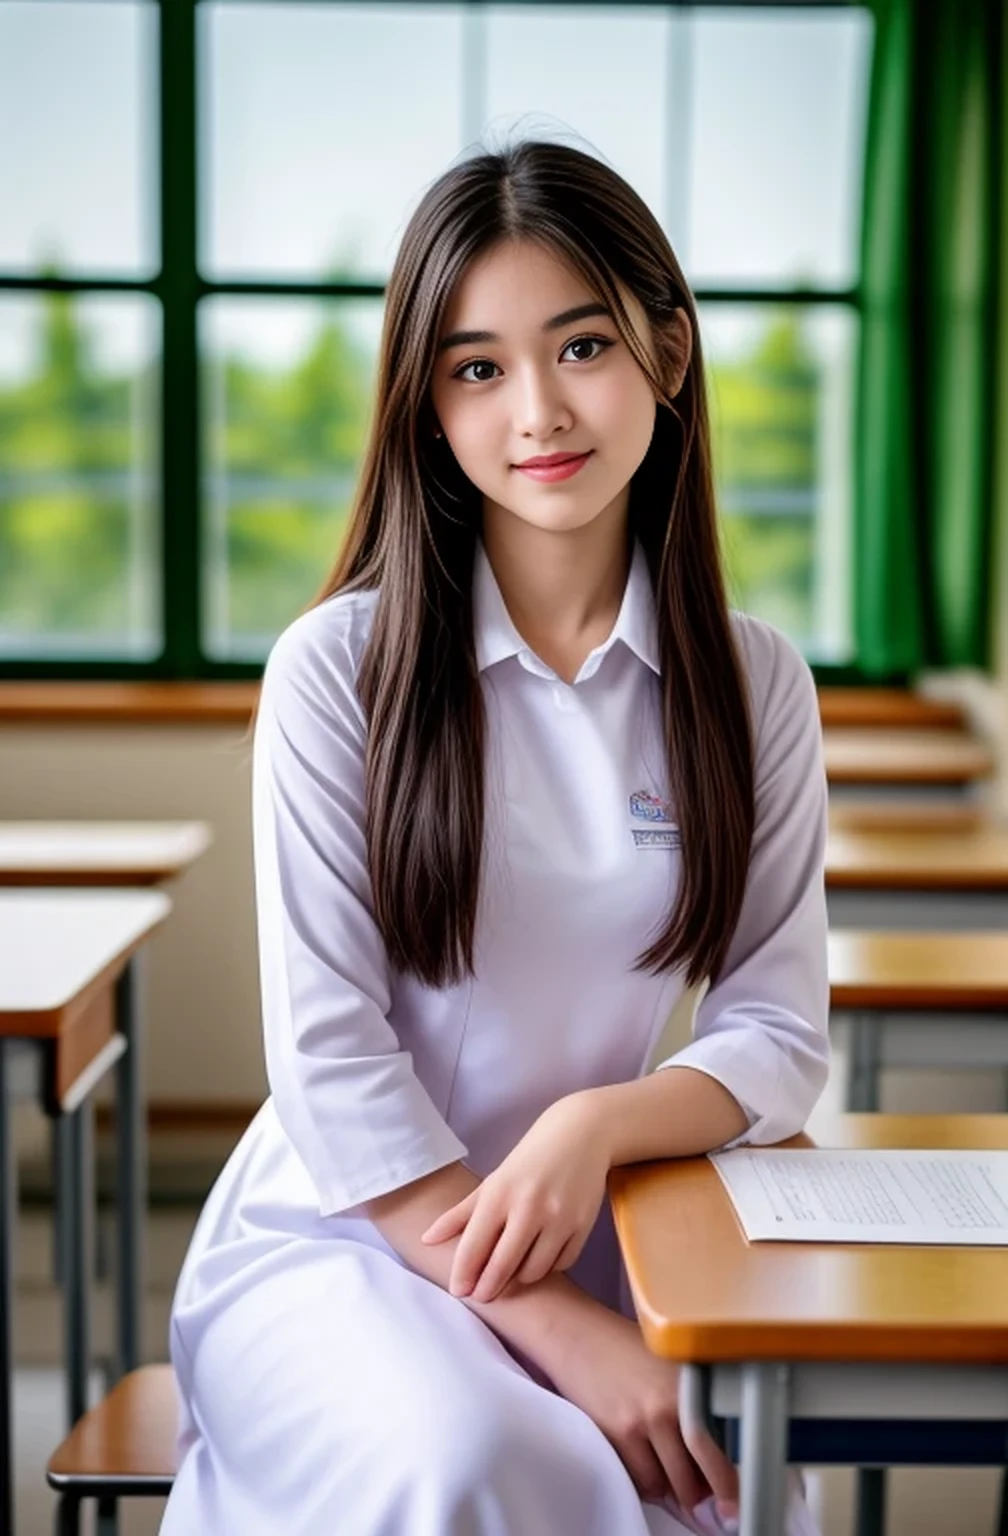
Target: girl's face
[531, 366]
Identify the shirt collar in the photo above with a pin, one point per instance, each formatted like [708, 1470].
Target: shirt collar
[496, 637]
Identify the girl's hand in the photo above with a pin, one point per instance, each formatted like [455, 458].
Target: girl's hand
[633, 1397]
[535, 1211]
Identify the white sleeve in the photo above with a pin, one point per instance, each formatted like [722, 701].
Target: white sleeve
[345, 1093]
[762, 1028]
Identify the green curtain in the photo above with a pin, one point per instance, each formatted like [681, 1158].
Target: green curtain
[927, 365]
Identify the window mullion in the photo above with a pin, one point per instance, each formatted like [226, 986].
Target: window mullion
[180, 444]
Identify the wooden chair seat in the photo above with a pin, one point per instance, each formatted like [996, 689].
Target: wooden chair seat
[126, 1444]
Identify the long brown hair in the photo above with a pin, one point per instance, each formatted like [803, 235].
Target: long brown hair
[412, 534]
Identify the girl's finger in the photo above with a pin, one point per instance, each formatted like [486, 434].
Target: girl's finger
[645, 1469]
[540, 1259]
[685, 1477]
[713, 1464]
[450, 1222]
[570, 1251]
[507, 1257]
[475, 1247]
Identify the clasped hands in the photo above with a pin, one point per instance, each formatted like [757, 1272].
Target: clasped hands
[534, 1212]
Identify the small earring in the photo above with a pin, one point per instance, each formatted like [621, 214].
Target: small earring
[438, 432]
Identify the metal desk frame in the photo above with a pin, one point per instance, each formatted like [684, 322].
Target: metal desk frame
[73, 1117]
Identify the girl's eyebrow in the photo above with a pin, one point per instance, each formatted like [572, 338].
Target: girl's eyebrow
[579, 312]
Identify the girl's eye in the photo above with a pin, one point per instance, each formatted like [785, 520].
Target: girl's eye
[602, 342]
[479, 362]
[599, 342]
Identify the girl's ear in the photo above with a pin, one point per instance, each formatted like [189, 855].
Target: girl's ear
[675, 348]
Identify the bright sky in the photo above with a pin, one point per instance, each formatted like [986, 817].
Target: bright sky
[322, 123]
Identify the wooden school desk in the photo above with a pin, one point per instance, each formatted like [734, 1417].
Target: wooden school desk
[921, 1000]
[67, 1016]
[94, 853]
[930, 813]
[905, 759]
[121, 854]
[786, 1336]
[887, 709]
[909, 877]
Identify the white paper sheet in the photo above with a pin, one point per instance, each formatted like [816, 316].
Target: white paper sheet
[825, 1195]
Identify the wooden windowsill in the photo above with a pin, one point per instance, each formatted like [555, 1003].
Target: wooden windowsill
[154, 703]
[231, 703]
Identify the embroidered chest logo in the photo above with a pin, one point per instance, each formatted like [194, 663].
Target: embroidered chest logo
[662, 832]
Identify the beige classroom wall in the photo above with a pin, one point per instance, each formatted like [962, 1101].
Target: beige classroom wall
[201, 984]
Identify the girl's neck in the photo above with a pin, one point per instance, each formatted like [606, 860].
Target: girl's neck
[562, 590]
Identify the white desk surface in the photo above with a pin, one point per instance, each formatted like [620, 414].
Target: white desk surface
[126, 852]
[56, 943]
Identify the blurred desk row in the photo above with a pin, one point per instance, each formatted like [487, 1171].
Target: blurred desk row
[74, 918]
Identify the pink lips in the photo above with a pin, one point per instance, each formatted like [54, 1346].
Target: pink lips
[557, 466]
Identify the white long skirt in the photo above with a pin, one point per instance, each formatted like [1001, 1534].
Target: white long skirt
[329, 1390]
[337, 1393]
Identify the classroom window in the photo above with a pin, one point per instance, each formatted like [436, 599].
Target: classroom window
[781, 386]
[306, 166]
[287, 390]
[79, 489]
[285, 189]
[77, 177]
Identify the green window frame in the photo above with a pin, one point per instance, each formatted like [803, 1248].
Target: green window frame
[179, 288]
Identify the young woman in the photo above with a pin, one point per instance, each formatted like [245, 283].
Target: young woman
[520, 779]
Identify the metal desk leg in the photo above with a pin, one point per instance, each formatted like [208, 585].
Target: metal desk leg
[863, 1067]
[1002, 1525]
[764, 1489]
[694, 1405]
[75, 1132]
[871, 1500]
[8, 1216]
[131, 1171]
[863, 1094]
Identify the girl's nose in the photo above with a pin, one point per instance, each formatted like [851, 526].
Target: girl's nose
[540, 408]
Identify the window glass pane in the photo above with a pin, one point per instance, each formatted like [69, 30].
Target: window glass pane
[79, 493]
[77, 118]
[780, 389]
[776, 146]
[598, 72]
[287, 387]
[323, 125]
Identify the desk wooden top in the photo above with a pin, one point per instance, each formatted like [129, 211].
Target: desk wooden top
[856, 756]
[891, 813]
[97, 852]
[896, 707]
[704, 1293]
[59, 949]
[945, 972]
[972, 859]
